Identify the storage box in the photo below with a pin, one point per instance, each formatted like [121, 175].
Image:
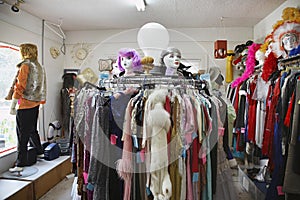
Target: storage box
[64, 145]
[250, 186]
[52, 151]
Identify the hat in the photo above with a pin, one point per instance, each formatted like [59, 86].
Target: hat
[216, 75]
[280, 32]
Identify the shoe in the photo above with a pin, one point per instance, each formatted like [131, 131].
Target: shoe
[261, 174]
[16, 169]
[41, 156]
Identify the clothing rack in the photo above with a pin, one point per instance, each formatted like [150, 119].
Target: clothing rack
[282, 63]
[157, 80]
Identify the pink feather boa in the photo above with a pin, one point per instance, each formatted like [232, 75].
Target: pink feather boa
[250, 65]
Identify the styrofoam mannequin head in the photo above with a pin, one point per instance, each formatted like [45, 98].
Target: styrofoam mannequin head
[152, 39]
[171, 57]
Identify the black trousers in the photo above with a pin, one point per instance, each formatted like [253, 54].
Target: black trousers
[27, 131]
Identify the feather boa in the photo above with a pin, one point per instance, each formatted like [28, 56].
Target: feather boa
[270, 65]
[250, 65]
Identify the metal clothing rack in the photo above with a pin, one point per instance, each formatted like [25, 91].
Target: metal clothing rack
[293, 60]
[146, 80]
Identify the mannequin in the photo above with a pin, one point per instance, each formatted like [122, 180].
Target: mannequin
[289, 42]
[260, 57]
[128, 62]
[171, 59]
[29, 93]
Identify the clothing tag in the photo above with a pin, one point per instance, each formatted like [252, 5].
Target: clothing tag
[142, 155]
[148, 191]
[183, 153]
[90, 187]
[135, 141]
[85, 177]
[113, 139]
[242, 130]
[194, 135]
[138, 157]
[279, 190]
[204, 158]
[195, 177]
[221, 131]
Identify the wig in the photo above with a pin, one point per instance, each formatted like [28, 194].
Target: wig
[136, 59]
[168, 51]
[250, 65]
[29, 51]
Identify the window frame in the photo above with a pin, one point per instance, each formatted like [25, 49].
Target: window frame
[12, 147]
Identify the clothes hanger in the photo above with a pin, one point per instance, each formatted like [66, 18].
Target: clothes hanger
[59, 32]
[90, 85]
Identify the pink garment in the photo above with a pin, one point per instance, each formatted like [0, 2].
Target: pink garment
[190, 120]
[124, 165]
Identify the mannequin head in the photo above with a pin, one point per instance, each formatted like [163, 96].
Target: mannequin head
[289, 41]
[171, 59]
[260, 57]
[129, 61]
[28, 51]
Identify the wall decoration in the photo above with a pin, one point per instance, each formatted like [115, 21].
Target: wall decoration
[220, 49]
[80, 52]
[105, 64]
[54, 51]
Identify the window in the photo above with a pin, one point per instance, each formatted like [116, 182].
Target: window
[9, 58]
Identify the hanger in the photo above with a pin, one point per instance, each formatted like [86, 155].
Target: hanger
[59, 32]
[90, 85]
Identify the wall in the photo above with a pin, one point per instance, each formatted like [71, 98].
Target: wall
[264, 27]
[197, 43]
[16, 28]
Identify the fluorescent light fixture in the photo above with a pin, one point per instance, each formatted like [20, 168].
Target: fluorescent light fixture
[140, 5]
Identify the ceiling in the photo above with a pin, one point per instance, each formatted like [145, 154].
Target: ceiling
[122, 14]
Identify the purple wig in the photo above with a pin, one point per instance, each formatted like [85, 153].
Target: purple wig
[136, 59]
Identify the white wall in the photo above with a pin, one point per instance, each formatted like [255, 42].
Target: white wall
[264, 27]
[196, 43]
[16, 28]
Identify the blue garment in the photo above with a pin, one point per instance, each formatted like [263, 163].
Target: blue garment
[272, 192]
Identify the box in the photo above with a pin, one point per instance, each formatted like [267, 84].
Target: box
[52, 151]
[64, 145]
[250, 186]
[220, 49]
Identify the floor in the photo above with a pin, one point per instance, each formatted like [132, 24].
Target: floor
[63, 189]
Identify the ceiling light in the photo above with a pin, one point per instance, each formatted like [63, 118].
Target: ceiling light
[140, 5]
[15, 7]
